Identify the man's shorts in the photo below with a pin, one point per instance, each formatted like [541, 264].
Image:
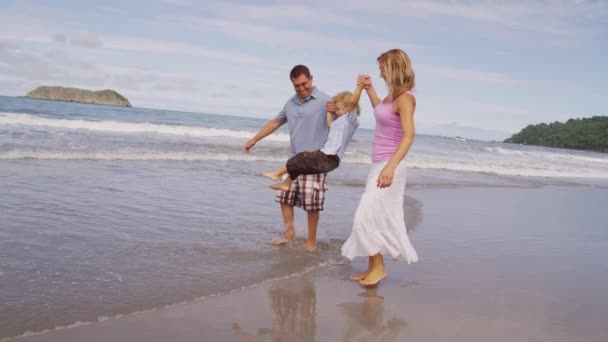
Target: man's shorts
[306, 192]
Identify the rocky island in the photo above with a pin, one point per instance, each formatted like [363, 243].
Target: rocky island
[104, 97]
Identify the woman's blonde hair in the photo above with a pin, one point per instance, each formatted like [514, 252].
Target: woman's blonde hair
[398, 72]
[343, 100]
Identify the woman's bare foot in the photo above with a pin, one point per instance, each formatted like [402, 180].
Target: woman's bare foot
[280, 186]
[358, 276]
[373, 278]
[271, 175]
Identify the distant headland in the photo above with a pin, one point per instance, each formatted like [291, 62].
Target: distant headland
[581, 134]
[104, 97]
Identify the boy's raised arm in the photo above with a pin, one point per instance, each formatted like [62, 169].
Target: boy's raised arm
[356, 96]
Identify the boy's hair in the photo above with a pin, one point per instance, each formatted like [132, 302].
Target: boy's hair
[298, 70]
[343, 100]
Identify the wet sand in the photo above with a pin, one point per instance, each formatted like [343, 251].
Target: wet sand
[497, 264]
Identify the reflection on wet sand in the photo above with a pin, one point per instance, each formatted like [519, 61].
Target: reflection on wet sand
[365, 319]
[293, 300]
[293, 303]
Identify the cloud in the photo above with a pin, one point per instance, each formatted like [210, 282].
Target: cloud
[59, 38]
[18, 63]
[476, 76]
[470, 106]
[189, 89]
[280, 25]
[493, 118]
[176, 2]
[458, 129]
[553, 18]
[278, 36]
[53, 66]
[176, 48]
[290, 14]
[85, 39]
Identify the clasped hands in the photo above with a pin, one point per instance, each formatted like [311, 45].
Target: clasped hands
[362, 80]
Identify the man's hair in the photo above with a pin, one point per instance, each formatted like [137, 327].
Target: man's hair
[299, 70]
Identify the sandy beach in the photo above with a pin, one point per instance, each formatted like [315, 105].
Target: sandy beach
[497, 264]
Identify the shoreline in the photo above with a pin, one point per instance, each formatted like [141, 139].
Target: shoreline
[323, 305]
[152, 311]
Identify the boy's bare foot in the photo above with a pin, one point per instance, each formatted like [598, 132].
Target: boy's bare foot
[280, 186]
[373, 278]
[271, 175]
[358, 276]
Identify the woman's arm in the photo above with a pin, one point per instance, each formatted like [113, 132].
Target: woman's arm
[405, 107]
[373, 97]
[366, 81]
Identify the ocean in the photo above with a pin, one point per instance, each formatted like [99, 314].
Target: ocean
[107, 211]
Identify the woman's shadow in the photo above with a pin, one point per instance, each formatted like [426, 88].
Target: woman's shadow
[365, 319]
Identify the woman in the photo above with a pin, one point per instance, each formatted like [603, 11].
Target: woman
[379, 225]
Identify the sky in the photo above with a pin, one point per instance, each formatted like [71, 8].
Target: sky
[484, 69]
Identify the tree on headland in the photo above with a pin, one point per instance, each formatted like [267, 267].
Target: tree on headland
[581, 134]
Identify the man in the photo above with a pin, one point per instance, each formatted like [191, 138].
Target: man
[305, 115]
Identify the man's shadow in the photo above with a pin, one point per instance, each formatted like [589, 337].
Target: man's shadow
[365, 319]
[293, 303]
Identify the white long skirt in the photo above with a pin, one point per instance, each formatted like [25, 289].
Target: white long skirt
[379, 224]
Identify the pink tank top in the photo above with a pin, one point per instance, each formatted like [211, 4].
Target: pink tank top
[388, 132]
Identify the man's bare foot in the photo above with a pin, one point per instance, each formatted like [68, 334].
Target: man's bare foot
[280, 186]
[373, 278]
[271, 175]
[286, 239]
[358, 276]
[280, 242]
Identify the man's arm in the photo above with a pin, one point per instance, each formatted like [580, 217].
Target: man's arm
[270, 127]
[330, 118]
